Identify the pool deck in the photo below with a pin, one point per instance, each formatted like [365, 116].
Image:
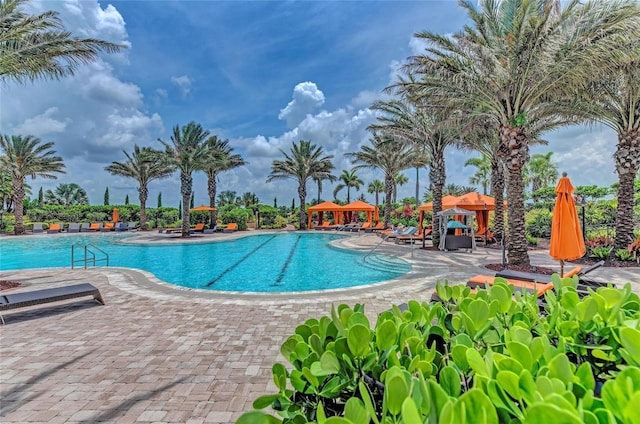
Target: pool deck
[158, 353]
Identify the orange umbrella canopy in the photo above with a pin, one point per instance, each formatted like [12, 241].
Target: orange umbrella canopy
[360, 206]
[324, 207]
[566, 237]
[116, 215]
[448, 202]
[202, 208]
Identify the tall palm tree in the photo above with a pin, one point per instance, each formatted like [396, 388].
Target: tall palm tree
[22, 156]
[482, 176]
[221, 158]
[614, 100]
[398, 180]
[349, 179]
[429, 130]
[512, 64]
[376, 186]
[305, 162]
[187, 152]
[67, 195]
[388, 155]
[143, 165]
[250, 199]
[228, 197]
[38, 46]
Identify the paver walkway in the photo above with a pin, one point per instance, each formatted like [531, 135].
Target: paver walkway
[157, 353]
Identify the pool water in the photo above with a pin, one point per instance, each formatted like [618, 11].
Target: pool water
[261, 263]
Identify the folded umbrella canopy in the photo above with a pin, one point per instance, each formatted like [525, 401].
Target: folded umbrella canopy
[202, 208]
[566, 237]
[115, 216]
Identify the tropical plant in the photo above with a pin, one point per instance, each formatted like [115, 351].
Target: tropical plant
[540, 172]
[106, 196]
[513, 64]
[250, 200]
[482, 176]
[38, 46]
[375, 187]
[67, 195]
[187, 153]
[221, 159]
[538, 223]
[398, 180]
[390, 156]
[22, 156]
[232, 213]
[228, 197]
[348, 179]
[306, 161]
[143, 165]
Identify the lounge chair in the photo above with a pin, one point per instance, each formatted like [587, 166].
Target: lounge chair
[363, 227]
[230, 228]
[379, 227]
[74, 227]
[325, 225]
[54, 228]
[95, 226]
[38, 297]
[37, 228]
[122, 226]
[413, 237]
[409, 231]
[537, 288]
[108, 226]
[132, 226]
[84, 227]
[199, 228]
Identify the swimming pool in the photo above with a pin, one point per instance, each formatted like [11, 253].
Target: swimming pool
[260, 263]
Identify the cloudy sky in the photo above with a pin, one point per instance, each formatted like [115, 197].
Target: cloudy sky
[261, 74]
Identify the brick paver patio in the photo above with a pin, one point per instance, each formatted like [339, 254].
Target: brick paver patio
[160, 354]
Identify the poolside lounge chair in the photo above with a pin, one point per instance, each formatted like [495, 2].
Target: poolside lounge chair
[230, 228]
[122, 226]
[74, 227]
[54, 228]
[95, 226]
[132, 226]
[412, 237]
[409, 231]
[38, 297]
[325, 225]
[363, 227]
[199, 228]
[84, 227]
[379, 227]
[37, 228]
[108, 226]
[537, 288]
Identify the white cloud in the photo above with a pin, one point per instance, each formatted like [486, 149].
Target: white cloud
[184, 84]
[43, 124]
[306, 98]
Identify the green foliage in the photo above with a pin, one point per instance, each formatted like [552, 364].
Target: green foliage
[601, 252]
[531, 240]
[624, 255]
[269, 217]
[106, 196]
[231, 213]
[474, 358]
[538, 223]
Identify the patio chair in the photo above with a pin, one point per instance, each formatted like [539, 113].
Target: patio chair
[84, 227]
[54, 228]
[39, 297]
[37, 228]
[363, 227]
[230, 228]
[132, 226]
[533, 287]
[108, 226]
[122, 226]
[324, 226]
[379, 227]
[199, 228]
[74, 227]
[95, 226]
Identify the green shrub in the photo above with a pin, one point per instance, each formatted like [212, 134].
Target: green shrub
[269, 217]
[475, 358]
[600, 252]
[624, 255]
[531, 240]
[234, 214]
[538, 223]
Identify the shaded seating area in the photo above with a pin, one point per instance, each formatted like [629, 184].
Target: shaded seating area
[321, 210]
[456, 229]
[39, 297]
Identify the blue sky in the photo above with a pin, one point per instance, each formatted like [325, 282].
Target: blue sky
[262, 74]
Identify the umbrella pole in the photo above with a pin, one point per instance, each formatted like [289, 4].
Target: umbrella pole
[561, 269]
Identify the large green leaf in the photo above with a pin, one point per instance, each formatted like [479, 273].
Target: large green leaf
[547, 413]
[630, 340]
[510, 382]
[474, 406]
[386, 335]
[410, 412]
[560, 367]
[521, 353]
[618, 394]
[358, 338]
[279, 376]
[476, 362]
[264, 401]
[395, 392]
[449, 379]
[257, 417]
[355, 411]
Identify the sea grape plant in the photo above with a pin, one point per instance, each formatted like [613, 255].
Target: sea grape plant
[486, 356]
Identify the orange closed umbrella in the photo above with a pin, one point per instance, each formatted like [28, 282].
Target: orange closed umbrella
[116, 216]
[566, 237]
[203, 208]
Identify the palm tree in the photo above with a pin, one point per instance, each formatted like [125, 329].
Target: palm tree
[187, 153]
[349, 179]
[540, 172]
[376, 186]
[143, 165]
[306, 161]
[22, 156]
[614, 100]
[67, 195]
[221, 158]
[228, 197]
[512, 64]
[482, 176]
[398, 180]
[249, 200]
[38, 47]
[390, 156]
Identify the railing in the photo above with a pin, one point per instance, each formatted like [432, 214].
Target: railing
[89, 257]
[375, 247]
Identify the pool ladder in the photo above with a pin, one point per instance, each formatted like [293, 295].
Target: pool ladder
[89, 257]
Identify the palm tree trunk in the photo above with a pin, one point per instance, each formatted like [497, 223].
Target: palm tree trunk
[18, 199]
[377, 193]
[497, 189]
[186, 183]
[514, 150]
[627, 159]
[143, 193]
[212, 187]
[302, 194]
[348, 194]
[388, 192]
[438, 177]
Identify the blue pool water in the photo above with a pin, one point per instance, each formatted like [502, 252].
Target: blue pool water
[261, 263]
